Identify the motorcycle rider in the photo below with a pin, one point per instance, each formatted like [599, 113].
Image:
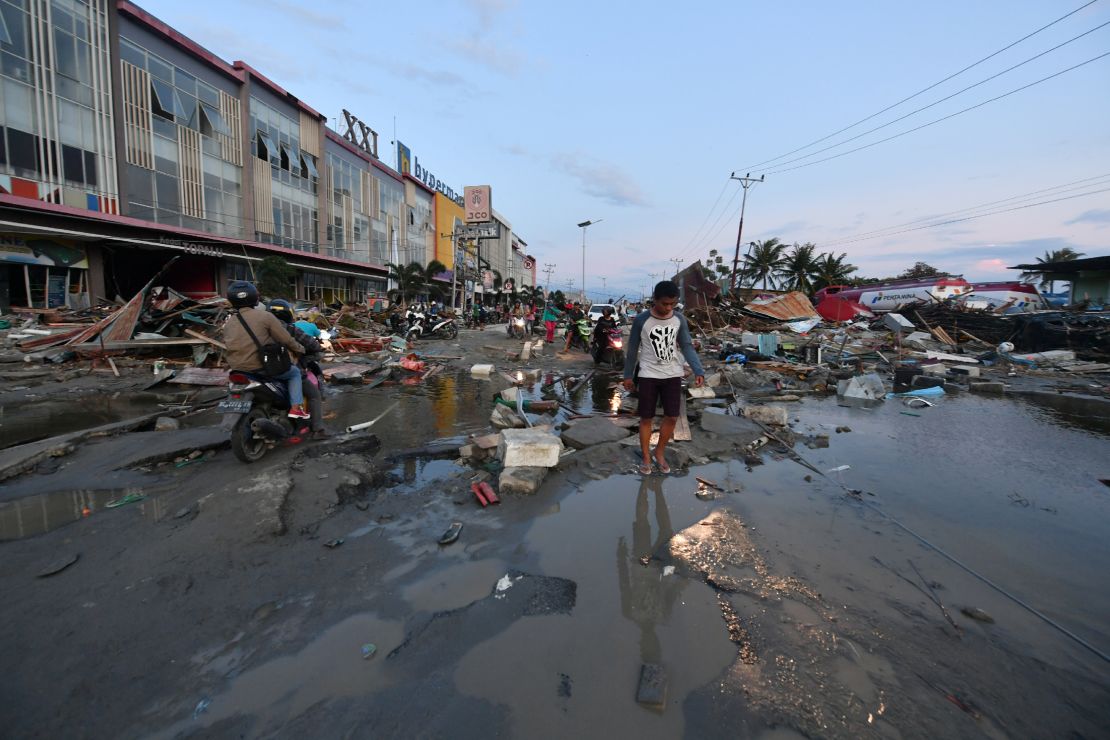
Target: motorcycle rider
[243, 353]
[309, 364]
[574, 315]
[601, 331]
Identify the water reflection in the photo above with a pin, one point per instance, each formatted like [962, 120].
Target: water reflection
[647, 597]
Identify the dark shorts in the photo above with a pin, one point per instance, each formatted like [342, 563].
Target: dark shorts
[652, 389]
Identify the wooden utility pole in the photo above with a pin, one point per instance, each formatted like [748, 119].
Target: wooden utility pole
[746, 182]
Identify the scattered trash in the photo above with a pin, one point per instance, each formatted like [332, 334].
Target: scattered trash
[367, 424]
[917, 403]
[839, 469]
[909, 413]
[202, 707]
[451, 534]
[368, 650]
[977, 614]
[58, 565]
[130, 498]
[668, 570]
[332, 544]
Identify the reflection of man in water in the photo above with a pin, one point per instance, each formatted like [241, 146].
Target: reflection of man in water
[646, 599]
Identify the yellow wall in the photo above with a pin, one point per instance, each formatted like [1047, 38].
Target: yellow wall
[449, 214]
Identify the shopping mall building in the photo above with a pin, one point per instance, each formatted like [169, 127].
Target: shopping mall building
[123, 143]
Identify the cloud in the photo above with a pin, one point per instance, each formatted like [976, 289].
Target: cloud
[489, 11]
[783, 231]
[437, 77]
[601, 179]
[309, 15]
[497, 57]
[1095, 216]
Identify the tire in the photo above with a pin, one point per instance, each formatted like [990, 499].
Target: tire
[412, 335]
[451, 331]
[244, 444]
[616, 359]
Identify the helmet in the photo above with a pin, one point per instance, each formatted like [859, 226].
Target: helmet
[281, 308]
[242, 294]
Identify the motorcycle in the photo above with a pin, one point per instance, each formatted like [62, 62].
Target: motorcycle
[515, 327]
[610, 349]
[580, 334]
[419, 328]
[256, 408]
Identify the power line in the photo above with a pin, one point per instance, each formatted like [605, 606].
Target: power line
[943, 118]
[707, 215]
[980, 215]
[1063, 188]
[926, 89]
[938, 102]
[703, 241]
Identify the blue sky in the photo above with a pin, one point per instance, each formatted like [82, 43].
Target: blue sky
[637, 112]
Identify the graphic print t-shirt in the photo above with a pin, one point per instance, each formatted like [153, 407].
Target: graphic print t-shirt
[659, 354]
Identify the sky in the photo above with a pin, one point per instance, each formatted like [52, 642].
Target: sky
[635, 114]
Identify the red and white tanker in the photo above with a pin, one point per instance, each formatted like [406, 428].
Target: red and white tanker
[1011, 296]
[843, 302]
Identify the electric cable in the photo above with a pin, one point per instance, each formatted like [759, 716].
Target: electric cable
[941, 100]
[926, 89]
[943, 118]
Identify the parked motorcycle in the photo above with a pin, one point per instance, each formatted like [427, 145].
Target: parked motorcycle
[610, 349]
[421, 328]
[516, 327]
[256, 407]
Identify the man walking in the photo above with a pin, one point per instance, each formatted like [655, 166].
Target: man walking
[656, 338]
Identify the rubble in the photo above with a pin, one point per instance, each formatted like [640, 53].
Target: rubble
[521, 479]
[529, 448]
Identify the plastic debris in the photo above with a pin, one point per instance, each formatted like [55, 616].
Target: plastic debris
[368, 650]
[332, 544]
[451, 534]
[130, 498]
[839, 469]
[202, 707]
[58, 565]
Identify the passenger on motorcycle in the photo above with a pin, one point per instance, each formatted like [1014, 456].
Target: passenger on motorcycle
[244, 353]
[308, 363]
[603, 325]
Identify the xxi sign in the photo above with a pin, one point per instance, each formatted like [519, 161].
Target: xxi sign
[361, 135]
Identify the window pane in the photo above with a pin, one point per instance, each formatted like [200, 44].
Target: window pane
[3, 147]
[185, 81]
[128, 52]
[90, 169]
[73, 164]
[21, 150]
[5, 37]
[215, 120]
[15, 25]
[167, 193]
[159, 69]
[162, 98]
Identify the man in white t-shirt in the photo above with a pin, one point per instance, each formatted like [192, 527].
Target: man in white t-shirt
[658, 337]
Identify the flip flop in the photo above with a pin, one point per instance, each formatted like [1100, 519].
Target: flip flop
[646, 469]
[664, 468]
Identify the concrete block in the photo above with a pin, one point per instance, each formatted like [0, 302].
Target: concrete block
[510, 394]
[970, 371]
[714, 380]
[533, 448]
[898, 323]
[593, 431]
[703, 392]
[987, 386]
[938, 370]
[775, 415]
[166, 424]
[487, 441]
[653, 685]
[526, 353]
[741, 430]
[481, 369]
[504, 417]
[525, 480]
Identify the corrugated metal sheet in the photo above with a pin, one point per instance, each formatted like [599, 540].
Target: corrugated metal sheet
[784, 307]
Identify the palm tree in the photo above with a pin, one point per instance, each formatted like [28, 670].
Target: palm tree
[433, 287]
[409, 280]
[799, 267]
[1064, 254]
[764, 262]
[829, 269]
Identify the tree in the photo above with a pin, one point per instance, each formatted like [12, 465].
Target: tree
[830, 269]
[799, 267]
[558, 298]
[921, 270]
[1064, 254]
[409, 280]
[276, 278]
[763, 263]
[435, 267]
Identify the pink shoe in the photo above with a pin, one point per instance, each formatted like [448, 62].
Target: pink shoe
[298, 412]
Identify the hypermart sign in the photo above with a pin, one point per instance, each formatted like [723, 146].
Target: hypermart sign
[410, 165]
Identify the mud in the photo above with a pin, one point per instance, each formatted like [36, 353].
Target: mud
[212, 609]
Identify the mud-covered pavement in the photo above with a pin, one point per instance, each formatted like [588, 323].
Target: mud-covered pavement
[780, 603]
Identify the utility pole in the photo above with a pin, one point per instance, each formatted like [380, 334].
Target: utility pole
[585, 225]
[677, 264]
[746, 182]
[603, 287]
[548, 268]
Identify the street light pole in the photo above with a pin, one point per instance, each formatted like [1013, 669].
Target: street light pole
[746, 182]
[584, 225]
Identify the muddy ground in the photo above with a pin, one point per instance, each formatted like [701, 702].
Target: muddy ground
[782, 603]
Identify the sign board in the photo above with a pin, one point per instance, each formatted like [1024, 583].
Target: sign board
[487, 279]
[488, 230]
[507, 286]
[477, 203]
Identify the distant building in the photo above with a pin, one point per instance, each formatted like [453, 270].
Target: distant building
[1088, 278]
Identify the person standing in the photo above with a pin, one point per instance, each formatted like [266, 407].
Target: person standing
[550, 317]
[658, 342]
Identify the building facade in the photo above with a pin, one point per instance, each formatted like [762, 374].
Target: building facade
[124, 143]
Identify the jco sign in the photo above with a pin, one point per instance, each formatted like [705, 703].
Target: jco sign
[476, 203]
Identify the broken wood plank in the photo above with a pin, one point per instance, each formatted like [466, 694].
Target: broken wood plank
[200, 376]
[197, 335]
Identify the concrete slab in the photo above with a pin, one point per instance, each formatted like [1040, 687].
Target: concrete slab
[524, 480]
[596, 430]
[743, 431]
[774, 415]
[529, 448]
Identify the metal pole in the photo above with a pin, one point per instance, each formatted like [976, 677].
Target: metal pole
[746, 182]
[584, 262]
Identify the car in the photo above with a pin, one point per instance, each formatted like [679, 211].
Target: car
[596, 310]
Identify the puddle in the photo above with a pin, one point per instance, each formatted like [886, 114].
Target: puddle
[34, 515]
[34, 420]
[329, 667]
[454, 586]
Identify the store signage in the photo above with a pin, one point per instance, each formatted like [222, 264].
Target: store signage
[507, 286]
[361, 135]
[410, 165]
[477, 203]
[202, 250]
[488, 230]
